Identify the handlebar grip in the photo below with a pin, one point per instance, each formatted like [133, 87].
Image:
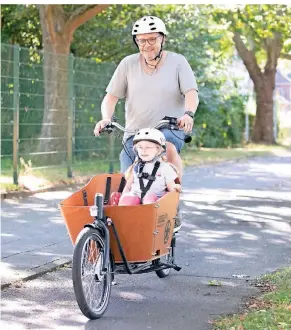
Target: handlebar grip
[108, 128]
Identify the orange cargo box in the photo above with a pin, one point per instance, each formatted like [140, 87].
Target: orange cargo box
[145, 231]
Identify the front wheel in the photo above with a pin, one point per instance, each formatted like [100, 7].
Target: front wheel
[169, 258]
[92, 287]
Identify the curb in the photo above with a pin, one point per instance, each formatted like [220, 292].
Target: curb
[26, 193]
[41, 270]
[21, 194]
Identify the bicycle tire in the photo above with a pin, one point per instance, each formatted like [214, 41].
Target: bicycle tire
[90, 243]
[162, 273]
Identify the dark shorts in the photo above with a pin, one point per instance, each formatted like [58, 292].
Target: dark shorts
[127, 154]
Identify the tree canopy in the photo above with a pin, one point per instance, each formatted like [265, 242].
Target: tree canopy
[205, 34]
[261, 35]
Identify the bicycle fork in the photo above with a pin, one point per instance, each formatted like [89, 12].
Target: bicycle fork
[97, 212]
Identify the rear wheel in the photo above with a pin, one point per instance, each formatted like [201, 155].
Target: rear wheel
[92, 287]
[169, 258]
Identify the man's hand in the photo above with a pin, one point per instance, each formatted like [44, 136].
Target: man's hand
[100, 125]
[186, 122]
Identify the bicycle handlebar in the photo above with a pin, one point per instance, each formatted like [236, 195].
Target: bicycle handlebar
[166, 122]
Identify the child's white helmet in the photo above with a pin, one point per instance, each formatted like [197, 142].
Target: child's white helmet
[149, 24]
[151, 135]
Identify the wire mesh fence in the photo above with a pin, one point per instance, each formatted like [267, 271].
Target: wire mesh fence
[49, 107]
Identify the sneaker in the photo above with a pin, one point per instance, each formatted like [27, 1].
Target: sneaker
[178, 220]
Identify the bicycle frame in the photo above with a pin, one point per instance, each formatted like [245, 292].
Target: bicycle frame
[132, 268]
[149, 248]
[101, 223]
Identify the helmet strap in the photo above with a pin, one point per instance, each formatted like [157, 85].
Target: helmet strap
[153, 66]
[161, 50]
[159, 56]
[134, 37]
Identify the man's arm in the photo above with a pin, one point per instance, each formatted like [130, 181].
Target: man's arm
[108, 106]
[191, 104]
[107, 110]
[191, 101]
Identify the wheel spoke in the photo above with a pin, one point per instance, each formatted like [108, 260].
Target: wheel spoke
[92, 289]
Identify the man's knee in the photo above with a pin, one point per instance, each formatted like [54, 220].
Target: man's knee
[126, 156]
[125, 161]
[174, 158]
[171, 151]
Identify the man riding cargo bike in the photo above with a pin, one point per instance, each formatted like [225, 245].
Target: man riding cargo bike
[133, 228]
[155, 83]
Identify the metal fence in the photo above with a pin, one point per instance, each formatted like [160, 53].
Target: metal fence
[49, 107]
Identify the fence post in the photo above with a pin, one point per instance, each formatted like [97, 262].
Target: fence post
[275, 118]
[111, 153]
[70, 115]
[16, 50]
[247, 129]
[111, 150]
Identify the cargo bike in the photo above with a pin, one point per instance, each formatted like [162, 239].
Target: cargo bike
[111, 239]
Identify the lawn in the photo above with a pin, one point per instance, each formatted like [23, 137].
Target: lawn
[271, 311]
[32, 179]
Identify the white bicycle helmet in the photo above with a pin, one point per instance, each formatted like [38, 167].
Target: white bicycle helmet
[149, 24]
[151, 135]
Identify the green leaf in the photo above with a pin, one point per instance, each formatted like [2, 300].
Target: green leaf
[214, 283]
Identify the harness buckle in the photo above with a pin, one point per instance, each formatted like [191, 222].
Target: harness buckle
[147, 176]
[151, 178]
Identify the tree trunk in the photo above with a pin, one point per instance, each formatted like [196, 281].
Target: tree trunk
[264, 125]
[56, 49]
[56, 103]
[58, 28]
[264, 83]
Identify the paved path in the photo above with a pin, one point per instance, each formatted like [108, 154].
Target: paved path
[33, 236]
[237, 221]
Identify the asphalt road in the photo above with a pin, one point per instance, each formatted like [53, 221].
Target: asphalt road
[237, 221]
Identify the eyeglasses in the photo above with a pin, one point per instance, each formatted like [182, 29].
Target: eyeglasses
[145, 148]
[151, 41]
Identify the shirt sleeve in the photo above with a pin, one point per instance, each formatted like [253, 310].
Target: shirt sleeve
[118, 83]
[169, 173]
[186, 76]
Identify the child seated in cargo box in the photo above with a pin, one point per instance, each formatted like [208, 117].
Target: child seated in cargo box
[150, 177]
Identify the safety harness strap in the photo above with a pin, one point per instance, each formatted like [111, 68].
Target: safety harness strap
[122, 185]
[107, 190]
[85, 199]
[151, 178]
